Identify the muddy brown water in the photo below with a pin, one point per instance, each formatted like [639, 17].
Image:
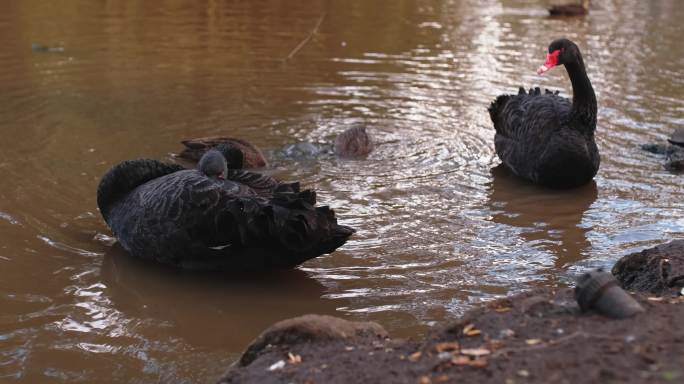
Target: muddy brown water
[440, 226]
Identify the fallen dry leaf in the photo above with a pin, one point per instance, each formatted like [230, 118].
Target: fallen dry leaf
[502, 309]
[446, 346]
[424, 380]
[294, 358]
[415, 356]
[494, 344]
[441, 379]
[470, 330]
[465, 360]
[475, 352]
[533, 341]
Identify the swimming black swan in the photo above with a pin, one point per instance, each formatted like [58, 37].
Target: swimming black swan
[543, 137]
[196, 219]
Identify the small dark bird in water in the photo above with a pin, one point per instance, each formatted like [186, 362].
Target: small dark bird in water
[545, 138]
[355, 142]
[570, 9]
[677, 137]
[674, 152]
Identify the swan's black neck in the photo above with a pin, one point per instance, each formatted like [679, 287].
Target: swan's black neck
[583, 113]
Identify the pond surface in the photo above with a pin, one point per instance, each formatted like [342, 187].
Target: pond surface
[440, 226]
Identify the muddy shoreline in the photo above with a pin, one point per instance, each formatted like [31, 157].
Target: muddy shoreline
[539, 336]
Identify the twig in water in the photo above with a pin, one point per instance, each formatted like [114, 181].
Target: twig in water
[306, 39]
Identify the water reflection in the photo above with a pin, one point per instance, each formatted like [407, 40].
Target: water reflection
[208, 309]
[551, 219]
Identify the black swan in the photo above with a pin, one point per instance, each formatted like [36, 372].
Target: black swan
[196, 219]
[545, 138]
[354, 142]
[580, 9]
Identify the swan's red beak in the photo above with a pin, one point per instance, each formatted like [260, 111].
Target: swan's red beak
[551, 61]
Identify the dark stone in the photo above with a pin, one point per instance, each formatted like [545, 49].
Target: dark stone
[310, 329]
[658, 270]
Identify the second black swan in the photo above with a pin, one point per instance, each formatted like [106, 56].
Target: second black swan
[196, 219]
[545, 138]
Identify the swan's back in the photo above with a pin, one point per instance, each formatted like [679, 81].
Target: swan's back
[536, 140]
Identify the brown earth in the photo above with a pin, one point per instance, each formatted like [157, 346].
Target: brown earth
[534, 337]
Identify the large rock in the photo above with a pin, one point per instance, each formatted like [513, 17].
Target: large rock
[308, 329]
[658, 270]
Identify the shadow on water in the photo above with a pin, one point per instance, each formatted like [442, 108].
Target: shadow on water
[551, 218]
[234, 308]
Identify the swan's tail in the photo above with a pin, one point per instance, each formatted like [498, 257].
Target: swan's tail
[496, 108]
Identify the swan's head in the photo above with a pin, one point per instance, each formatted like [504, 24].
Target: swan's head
[233, 155]
[213, 164]
[561, 51]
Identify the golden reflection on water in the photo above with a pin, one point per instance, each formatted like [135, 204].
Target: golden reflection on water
[440, 227]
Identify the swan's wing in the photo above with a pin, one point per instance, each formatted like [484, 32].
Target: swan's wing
[263, 185]
[518, 116]
[126, 176]
[524, 123]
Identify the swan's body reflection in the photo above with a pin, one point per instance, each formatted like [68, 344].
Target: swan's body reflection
[209, 310]
[549, 217]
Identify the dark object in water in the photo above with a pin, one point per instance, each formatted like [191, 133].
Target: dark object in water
[191, 220]
[600, 291]
[545, 138]
[195, 148]
[674, 152]
[37, 47]
[355, 142]
[677, 137]
[570, 9]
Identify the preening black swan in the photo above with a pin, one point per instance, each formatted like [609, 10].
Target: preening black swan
[197, 220]
[545, 138]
